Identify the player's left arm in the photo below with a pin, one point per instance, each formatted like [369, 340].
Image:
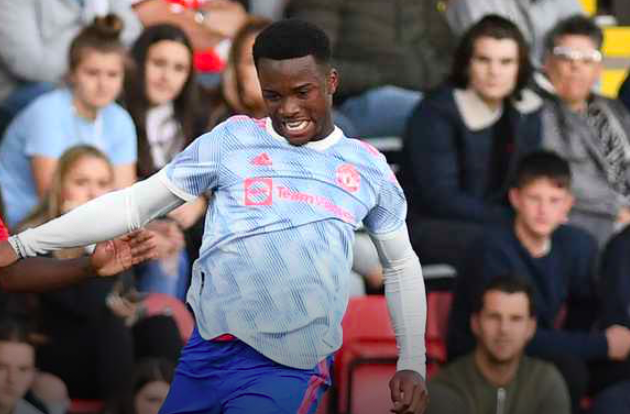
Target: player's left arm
[406, 301]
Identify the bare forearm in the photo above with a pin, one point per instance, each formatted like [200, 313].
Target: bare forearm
[40, 274]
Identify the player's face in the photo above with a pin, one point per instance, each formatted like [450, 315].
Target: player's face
[493, 68]
[88, 178]
[17, 372]
[298, 94]
[97, 79]
[504, 326]
[149, 398]
[541, 206]
[167, 68]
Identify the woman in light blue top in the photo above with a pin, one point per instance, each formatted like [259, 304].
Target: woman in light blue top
[84, 112]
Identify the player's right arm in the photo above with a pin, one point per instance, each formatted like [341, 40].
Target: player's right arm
[190, 174]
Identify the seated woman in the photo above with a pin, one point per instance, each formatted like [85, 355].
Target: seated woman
[463, 141]
[239, 91]
[88, 345]
[162, 96]
[83, 112]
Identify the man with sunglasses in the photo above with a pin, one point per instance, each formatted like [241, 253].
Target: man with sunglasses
[590, 131]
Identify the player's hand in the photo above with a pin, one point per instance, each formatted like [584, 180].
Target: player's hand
[409, 393]
[7, 254]
[114, 256]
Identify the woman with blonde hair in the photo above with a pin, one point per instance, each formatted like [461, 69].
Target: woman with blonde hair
[90, 347]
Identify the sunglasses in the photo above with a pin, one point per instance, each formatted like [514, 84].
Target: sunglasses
[586, 56]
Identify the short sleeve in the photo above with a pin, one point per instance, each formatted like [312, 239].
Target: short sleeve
[41, 127]
[195, 170]
[124, 139]
[390, 210]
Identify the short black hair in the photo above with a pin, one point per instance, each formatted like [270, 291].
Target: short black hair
[543, 164]
[494, 27]
[509, 283]
[290, 39]
[577, 25]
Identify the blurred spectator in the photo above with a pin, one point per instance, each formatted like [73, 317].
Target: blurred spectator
[210, 24]
[534, 17]
[239, 91]
[151, 382]
[17, 368]
[558, 261]
[624, 92]
[587, 129]
[386, 52]
[162, 96]
[88, 345]
[615, 280]
[83, 112]
[35, 37]
[496, 376]
[463, 142]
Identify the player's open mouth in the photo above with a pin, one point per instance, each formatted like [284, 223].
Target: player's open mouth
[296, 127]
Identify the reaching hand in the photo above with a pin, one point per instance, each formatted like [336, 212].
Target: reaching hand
[409, 393]
[114, 256]
[7, 255]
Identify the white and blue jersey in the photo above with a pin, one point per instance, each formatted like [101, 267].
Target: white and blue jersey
[277, 247]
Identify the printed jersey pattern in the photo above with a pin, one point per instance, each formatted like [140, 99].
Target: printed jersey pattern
[277, 246]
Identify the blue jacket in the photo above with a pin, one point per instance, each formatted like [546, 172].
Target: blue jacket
[447, 169]
[563, 277]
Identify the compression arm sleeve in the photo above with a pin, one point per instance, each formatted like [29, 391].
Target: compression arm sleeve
[104, 218]
[405, 294]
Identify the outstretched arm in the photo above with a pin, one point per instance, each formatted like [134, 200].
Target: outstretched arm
[404, 290]
[109, 258]
[104, 218]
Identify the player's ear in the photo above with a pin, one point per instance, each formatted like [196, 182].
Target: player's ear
[332, 81]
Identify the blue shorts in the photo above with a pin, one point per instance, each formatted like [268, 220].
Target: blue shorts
[230, 377]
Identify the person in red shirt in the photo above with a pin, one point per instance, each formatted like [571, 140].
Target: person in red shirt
[40, 274]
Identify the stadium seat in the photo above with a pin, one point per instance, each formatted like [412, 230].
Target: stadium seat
[78, 406]
[367, 359]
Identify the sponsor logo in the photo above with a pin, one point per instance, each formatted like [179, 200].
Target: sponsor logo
[285, 194]
[262, 160]
[258, 191]
[348, 178]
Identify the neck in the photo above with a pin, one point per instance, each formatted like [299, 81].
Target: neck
[84, 110]
[499, 374]
[536, 245]
[578, 106]
[493, 104]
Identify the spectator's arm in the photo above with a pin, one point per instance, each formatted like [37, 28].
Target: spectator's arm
[22, 50]
[554, 342]
[431, 145]
[615, 283]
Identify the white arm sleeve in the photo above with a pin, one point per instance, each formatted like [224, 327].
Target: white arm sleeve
[104, 218]
[406, 300]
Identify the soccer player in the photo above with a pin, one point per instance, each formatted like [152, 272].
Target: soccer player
[269, 289]
[40, 274]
